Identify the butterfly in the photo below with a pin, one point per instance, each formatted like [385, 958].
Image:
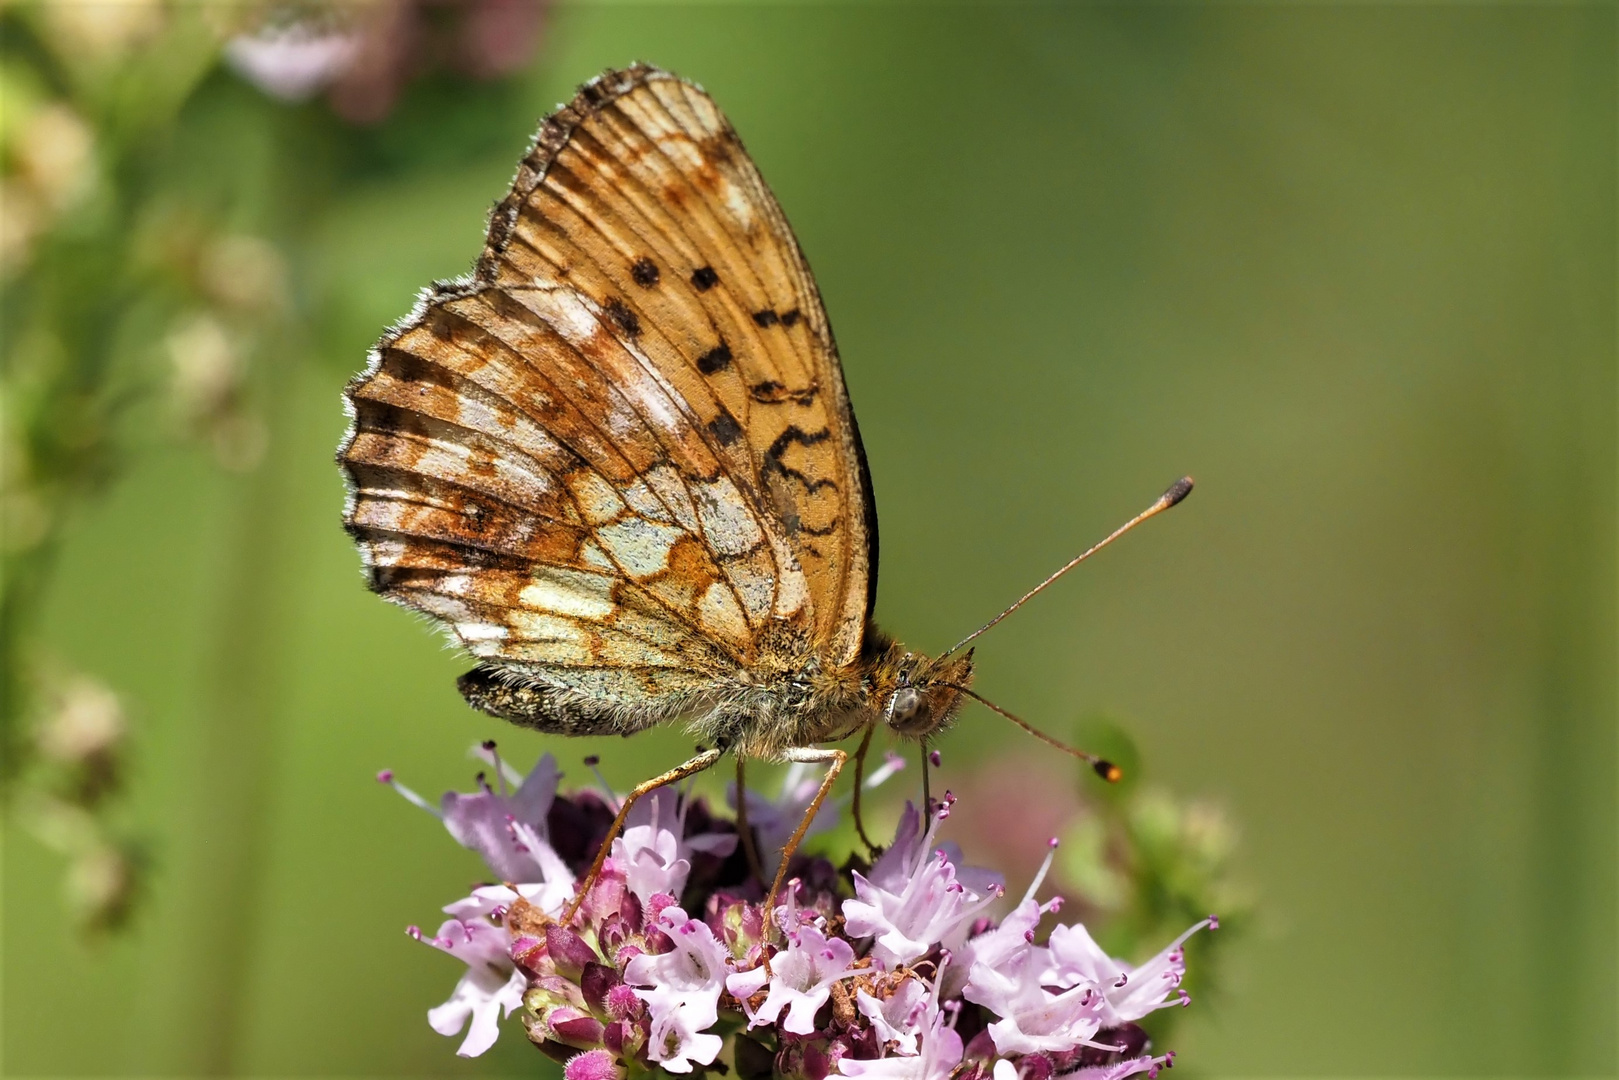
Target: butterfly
[618, 460]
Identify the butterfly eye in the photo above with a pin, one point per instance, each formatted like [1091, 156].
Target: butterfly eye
[902, 707]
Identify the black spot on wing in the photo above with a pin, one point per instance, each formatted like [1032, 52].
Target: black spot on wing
[645, 272]
[771, 392]
[725, 428]
[778, 448]
[622, 317]
[790, 317]
[716, 359]
[795, 434]
[766, 317]
[703, 278]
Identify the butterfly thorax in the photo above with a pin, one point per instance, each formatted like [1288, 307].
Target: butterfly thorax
[786, 700]
[815, 702]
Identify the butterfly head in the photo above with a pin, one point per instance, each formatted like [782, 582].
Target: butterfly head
[925, 695]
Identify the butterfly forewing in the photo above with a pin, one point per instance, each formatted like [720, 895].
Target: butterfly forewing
[620, 457]
[654, 210]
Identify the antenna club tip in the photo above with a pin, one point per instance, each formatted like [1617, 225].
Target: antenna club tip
[1108, 771]
[1177, 491]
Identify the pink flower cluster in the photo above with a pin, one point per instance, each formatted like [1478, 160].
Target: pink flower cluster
[890, 972]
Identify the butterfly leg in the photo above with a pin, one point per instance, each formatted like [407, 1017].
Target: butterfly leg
[927, 793]
[809, 755]
[696, 765]
[859, 783]
[749, 847]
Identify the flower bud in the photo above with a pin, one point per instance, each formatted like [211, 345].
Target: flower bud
[592, 1065]
[568, 951]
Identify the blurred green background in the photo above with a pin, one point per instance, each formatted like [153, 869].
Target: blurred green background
[1352, 266]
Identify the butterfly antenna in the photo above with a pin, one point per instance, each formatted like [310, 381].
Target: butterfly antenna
[1100, 765]
[1177, 491]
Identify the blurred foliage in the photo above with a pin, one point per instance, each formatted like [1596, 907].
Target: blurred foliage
[1146, 867]
[1142, 864]
[144, 294]
[117, 289]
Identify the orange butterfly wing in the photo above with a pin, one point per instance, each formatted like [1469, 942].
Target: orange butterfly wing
[620, 458]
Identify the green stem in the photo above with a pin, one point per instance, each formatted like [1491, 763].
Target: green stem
[235, 759]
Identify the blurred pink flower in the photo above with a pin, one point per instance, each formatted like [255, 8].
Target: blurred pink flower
[682, 992]
[365, 55]
[491, 988]
[916, 897]
[633, 982]
[800, 980]
[1009, 835]
[1056, 997]
[493, 901]
[654, 851]
[1118, 1070]
[938, 1048]
[293, 62]
[508, 828]
[940, 1053]
[1010, 976]
[897, 1018]
[1033, 1018]
[773, 821]
[1129, 992]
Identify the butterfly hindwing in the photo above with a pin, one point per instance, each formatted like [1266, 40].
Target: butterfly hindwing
[620, 459]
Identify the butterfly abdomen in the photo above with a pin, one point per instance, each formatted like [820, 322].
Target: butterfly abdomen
[754, 719]
[586, 709]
